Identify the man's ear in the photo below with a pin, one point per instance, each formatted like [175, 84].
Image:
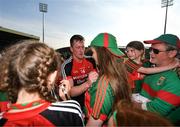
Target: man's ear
[172, 53]
[71, 49]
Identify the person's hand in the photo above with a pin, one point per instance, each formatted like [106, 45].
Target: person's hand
[64, 89]
[92, 77]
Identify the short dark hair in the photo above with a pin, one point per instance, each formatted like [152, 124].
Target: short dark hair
[136, 44]
[75, 38]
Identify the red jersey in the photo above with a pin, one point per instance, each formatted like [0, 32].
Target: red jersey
[65, 113]
[78, 72]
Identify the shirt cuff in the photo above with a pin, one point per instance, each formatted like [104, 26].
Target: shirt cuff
[143, 106]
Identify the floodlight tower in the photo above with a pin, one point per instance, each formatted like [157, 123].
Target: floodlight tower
[166, 3]
[43, 9]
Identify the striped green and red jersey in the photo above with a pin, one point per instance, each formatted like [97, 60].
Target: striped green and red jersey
[137, 77]
[133, 75]
[163, 89]
[99, 100]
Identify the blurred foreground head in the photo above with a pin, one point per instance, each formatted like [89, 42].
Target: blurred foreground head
[128, 115]
[28, 65]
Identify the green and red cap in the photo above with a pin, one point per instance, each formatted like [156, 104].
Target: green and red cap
[108, 41]
[165, 38]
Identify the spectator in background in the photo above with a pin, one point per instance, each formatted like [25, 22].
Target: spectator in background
[28, 73]
[111, 85]
[135, 51]
[128, 115]
[79, 69]
[162, 90]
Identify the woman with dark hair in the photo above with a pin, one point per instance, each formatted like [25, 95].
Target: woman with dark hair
[111, 85]
[28, 73]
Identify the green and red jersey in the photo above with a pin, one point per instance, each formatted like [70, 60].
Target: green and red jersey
[99, 99]
[163, 89]
[134, 76]
[3, 101]
[137, 77]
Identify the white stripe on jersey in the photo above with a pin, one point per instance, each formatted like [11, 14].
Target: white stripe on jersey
[71, 103]
[63, 67]
[67, 106]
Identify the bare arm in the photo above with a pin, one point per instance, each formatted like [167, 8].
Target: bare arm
[78, 90]
[111, 122]
[153, 70]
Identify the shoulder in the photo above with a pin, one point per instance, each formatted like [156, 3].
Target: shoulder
[131, 65]
[171, 74]
[64, 113]
[177, 70]
[69, 105]
[67, 62]
[66, 67]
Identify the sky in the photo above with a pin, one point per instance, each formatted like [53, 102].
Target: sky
[127, 20]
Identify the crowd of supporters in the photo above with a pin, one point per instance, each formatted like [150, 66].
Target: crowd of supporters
[109, 87]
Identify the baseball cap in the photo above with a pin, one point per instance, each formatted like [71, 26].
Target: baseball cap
[166, 38]
[108, 41]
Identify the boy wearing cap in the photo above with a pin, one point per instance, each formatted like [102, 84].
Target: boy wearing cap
[162, 89]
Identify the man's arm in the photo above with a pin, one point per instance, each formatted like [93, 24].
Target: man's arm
[152, 70]
[78, 90]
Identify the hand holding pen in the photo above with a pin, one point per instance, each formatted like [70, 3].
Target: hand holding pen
[64, 89]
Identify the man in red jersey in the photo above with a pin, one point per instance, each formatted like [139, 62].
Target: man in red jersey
[79, 69]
